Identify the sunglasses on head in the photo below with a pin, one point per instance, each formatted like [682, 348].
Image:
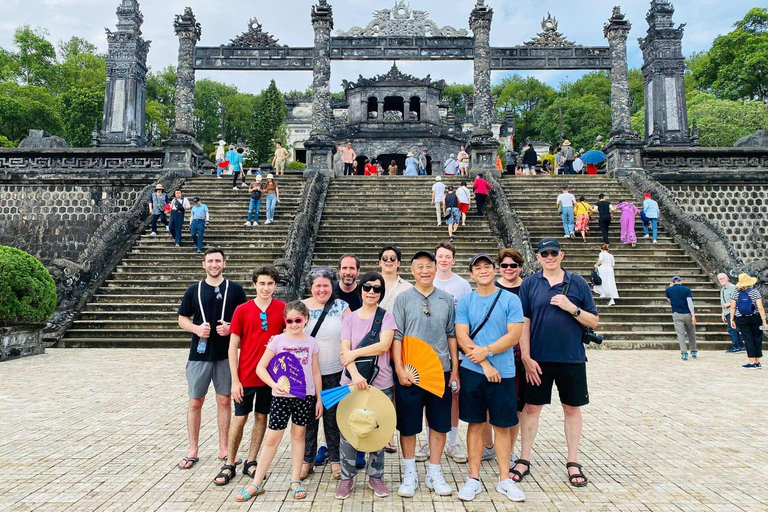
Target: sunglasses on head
[385, 259]
[547, 254]
[298, 320]
[509, 265]
[425, 303]
[217, 291]
[263, 318]
[377, 288]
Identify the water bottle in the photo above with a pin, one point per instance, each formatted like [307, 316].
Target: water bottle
[202, 343]
[454, 386]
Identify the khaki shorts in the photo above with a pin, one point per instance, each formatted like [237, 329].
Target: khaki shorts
[280, 165]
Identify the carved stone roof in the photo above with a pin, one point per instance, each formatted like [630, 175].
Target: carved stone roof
[549, 36]
[393, 77]
[254, 37]
[401, 20]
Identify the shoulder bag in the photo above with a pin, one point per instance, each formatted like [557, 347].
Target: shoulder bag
[487, 316]
[368, 366]
[326, 309]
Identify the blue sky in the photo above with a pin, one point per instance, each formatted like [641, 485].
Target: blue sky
[514, 22]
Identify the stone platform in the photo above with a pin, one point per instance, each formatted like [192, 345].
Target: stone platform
[103, 430]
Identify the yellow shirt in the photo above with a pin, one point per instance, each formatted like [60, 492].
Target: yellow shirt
[582, 208]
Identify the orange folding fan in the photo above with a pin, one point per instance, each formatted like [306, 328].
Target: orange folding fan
[421, 361]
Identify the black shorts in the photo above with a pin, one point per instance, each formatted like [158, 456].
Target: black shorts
[284, 409]
[410, 403]
[481, 401]
[261, 395]
[571, 380]
[519, 379]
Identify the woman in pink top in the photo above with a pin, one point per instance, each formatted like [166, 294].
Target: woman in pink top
[482, 188]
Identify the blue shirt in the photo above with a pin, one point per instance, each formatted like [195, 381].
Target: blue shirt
[231, 157]
[651, 209]
[199, 212]
[472, 309]
[678, 298]
[555, 333]
[411, 167]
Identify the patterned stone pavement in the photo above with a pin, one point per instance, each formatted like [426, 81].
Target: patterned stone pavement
[103, 430]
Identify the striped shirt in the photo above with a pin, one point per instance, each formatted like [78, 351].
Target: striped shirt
[754, 294]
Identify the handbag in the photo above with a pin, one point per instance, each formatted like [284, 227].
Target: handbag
[560, 208]
[368, 366]
[595, 277]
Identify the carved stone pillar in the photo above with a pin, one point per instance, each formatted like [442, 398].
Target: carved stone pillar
[663, 73]
[320, 146]
[482, 146]
[188, 31]
[380, 107]
[616, 31]
[406, 110]
[125, 96]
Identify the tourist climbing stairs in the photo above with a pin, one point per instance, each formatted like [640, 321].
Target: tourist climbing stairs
[137, 305]
[641, 316]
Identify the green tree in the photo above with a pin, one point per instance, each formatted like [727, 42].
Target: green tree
[80, 109]
[161, 98]
[26, 107]
[456, 95]
[35, 61]
[527, 98]
[209, 110]
[270, 116]
[722, 122]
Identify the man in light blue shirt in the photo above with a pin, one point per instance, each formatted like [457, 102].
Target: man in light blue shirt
[489, 322]
[651, 211]
[198, 218]
[411, 166]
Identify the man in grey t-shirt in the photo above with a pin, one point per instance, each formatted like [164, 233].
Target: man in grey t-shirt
[426, 313]
[726, 292]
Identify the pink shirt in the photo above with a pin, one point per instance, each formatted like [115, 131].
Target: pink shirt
[481, 186]
[354, 329]
[348, 155]
[304, 352]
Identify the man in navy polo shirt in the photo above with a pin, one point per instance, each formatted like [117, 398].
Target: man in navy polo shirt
[553, 353]
[683, 315]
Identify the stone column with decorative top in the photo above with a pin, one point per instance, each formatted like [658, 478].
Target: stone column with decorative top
[125, 96]
[482, 146]
[320, 145]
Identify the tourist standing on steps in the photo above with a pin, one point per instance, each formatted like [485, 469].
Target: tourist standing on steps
[452, 212]
[205, 311]
[198, 219]
[578, 164]
[411, 166]
[221, 152]
[749, 319]
[348, 156]
[326, 312]
[426, 313]
[448, 281]
[582, 211]
[254, 323]
[606, 266]
[237, 168]
[482, 188]
[157, 202]
[450, 166]
[438, 196]
[463, 158]
[230, 157]
[553, 353]
[464, 196]
[489, 322]
[390, 258]
[392, 169]
[257, 190]
[727, 290]
[651, 211]
[423, 163]
[565, 202]
[605, 215]
[569, 155]
[346, 288]
[683, 315]
[273, 197]
[179, 206]
[628, 213]
[280, 159]
[529, 161]
[370, 169]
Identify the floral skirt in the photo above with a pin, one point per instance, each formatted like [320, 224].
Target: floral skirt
[582, 222]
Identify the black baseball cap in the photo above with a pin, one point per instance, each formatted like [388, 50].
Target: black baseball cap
[428, 254]
[546, 244]
[195, 199]
[479, 257]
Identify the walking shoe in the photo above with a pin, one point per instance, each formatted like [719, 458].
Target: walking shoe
[573, 235]
[509, 488]
[360, 460]
[322, 456]
[512, 460]
[646, 236]
[488, 453]
[254, 223]
[685, 356]
[247, 223]
[219, 177]
[758, 366]
[153, 234]
[422, 453]
[456, 452]
[435, 481]
[694, 353]
[344, 489]
[748, 366]
[655, 242]
[167, 228]
[177, 245]
[742, 348]
[378, 487]
[471, 488]
[235, 188]
[410, 484]
[732, 350]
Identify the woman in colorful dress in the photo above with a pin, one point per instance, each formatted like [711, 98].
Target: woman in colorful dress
[628, 213]
[582, 210]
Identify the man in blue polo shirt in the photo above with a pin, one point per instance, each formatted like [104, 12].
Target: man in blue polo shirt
[553, 353]
[683, 315]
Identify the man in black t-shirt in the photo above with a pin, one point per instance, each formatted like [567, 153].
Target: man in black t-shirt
[346, 288]
[205, 311]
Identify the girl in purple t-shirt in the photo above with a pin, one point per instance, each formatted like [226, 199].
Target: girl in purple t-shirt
[286, 407]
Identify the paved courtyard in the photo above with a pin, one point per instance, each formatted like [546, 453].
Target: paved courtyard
[104, 429]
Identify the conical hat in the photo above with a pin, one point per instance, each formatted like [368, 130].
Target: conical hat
[366, 419]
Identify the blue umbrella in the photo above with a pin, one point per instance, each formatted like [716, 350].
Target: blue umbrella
[593, 157]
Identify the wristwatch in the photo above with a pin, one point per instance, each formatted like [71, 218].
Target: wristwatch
[490, 352]
[577, 312]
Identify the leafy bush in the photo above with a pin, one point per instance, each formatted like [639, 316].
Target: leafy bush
[27, 290]
[295, 166]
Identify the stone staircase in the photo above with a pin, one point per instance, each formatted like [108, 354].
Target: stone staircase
[641, 316]
[136, 306]
[362, 214]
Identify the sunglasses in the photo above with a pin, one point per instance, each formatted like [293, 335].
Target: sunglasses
[509, 265]
[298, 320]
[547, 254]
[385, 259]
[377, 288]
[263, 318]
[425, 303]
[217, 290]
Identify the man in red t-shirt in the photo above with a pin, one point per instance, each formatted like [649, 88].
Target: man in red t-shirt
[253, 325]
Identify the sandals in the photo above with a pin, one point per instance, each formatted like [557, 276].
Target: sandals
[237, 462]
[336, 473]
[518, 474]
[185, 460]
[571, 477]
[390, 448]
[248, 465]
[243, 495]
[306, 473]
[297, 490]
[226, 476]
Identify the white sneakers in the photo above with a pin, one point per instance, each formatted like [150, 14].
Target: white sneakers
[470, 489]
[152, 233]
[254, 223]
[410, 484]
[488, 453]
[422, 453]
[435, 481]
[235, 188]
[457, 453]
[507, 487]
[247, 223]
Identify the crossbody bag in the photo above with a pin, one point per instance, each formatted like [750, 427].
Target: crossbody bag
[326, 309]
[368, 366]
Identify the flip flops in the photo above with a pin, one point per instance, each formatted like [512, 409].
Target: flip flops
[185, 460]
